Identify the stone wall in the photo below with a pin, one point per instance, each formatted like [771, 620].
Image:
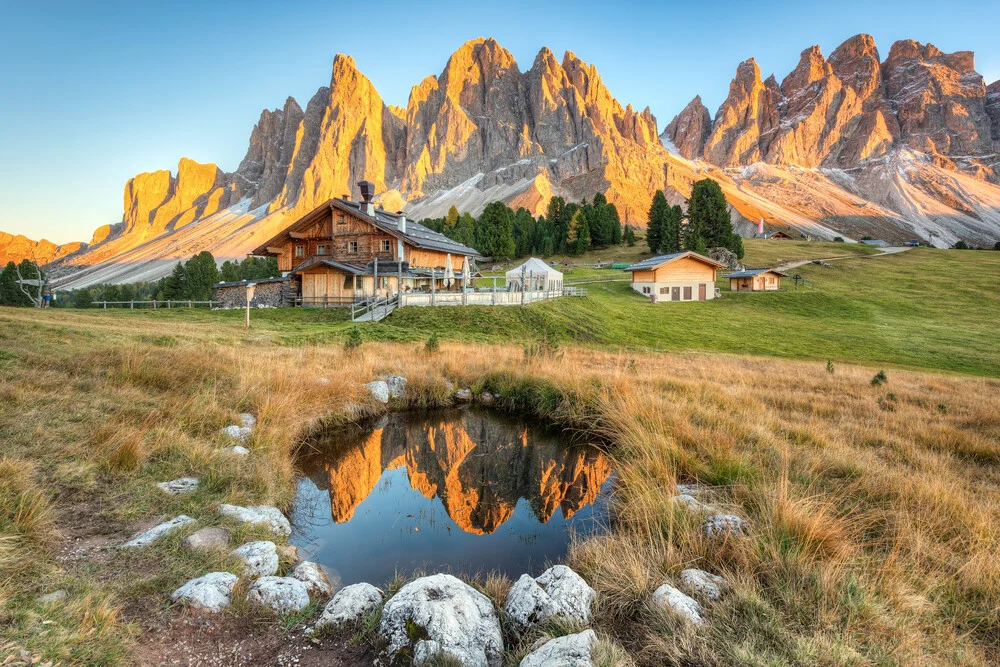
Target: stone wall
[266, 295]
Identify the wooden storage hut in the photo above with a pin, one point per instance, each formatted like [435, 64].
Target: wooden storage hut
[680, 276]
[756, 280]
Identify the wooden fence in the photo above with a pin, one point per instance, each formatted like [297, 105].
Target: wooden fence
[154, 304]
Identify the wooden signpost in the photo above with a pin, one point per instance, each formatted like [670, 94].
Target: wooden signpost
[250, 290]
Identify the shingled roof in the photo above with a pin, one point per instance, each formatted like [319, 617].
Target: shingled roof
[660, 260]
[416, 234]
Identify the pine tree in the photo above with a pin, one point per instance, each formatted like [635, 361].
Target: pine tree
[709, 222]
[524, 233]
[671, 241]
[465, 230]
[230, 273]
[657, 214]
[629, 236]
[200, 274]
[451, 219]
[173, 286]
[494, 234]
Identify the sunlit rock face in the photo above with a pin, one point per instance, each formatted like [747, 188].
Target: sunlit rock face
[477, 467]
[689, 130]
[840, 112]
[14, 248]
[485, 129]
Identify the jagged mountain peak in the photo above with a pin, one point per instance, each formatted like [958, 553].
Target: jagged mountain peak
[482, 130]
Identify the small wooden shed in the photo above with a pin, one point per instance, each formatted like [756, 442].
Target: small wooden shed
[679, 276]
[756, 280]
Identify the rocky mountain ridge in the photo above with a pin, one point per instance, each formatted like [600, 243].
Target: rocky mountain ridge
[842, 146]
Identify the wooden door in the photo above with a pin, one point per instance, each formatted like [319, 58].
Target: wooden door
[675, 293]
[702, 292]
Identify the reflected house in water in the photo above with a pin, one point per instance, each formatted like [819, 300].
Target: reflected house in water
[478, 467]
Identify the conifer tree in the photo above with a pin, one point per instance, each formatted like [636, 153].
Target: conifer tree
[657, 214]
[494, 233]
[671, 241]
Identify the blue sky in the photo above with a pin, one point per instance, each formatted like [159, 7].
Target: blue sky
[94, 93]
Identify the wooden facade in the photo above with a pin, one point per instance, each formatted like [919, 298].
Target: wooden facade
[685, 276]
[335, 254]
[756, 281]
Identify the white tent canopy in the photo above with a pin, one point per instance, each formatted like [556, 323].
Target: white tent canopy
[534, 275]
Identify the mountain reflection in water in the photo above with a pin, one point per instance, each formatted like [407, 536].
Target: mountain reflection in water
[371, 502]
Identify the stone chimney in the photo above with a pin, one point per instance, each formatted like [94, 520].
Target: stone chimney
[367, 193]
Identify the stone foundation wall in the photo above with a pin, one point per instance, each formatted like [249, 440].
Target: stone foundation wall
[266, 295]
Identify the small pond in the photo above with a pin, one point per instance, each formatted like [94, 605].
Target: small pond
[459, 491]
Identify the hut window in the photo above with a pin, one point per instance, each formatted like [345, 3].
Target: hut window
[663, 290]
[645, 290]
[321, 250]
[352, 247]
[348, 281]
[385, 245]
[359, 282]
[687, 293]
[300, 251]
[341, 219]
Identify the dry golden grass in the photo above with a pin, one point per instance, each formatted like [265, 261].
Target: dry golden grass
[873, 509]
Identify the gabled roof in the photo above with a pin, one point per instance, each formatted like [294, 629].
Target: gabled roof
[749, 273]
[356, 269]
[416, 234]
[660, 260]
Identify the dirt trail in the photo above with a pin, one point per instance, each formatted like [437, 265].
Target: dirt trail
[882, 253]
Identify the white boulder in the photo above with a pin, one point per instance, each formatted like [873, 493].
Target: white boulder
[463, 395]
[723, 525]
[210, 592]
[260, 515]
[248, 420]
[283, 595]
[702, 584]
[349, 605]
[260, 559]
[156, 532]
[566, 651]
[238, 449]
[559, 591]
[486, 398]
[315, 579]
[240, 433]
[668, 598]
[206, 539]
[54, 596]
[380, 390]
[691, 503]
[443, 615]
[397, 386]
[182, 485]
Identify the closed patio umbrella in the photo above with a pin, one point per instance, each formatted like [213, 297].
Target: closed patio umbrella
[449, 272]
[465, 272]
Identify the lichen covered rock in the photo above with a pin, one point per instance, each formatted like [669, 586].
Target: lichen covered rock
[261, 515]
[559, 591]
[260, 559]
[283, 595]
[349, 605]
[211, 592]
[442, 615]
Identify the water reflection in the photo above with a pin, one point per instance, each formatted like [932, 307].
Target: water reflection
[372, 502]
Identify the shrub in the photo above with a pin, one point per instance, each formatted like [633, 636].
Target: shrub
[829, 366]
[354, 339]
[879, 378]
[433, 344]
[838, 239]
